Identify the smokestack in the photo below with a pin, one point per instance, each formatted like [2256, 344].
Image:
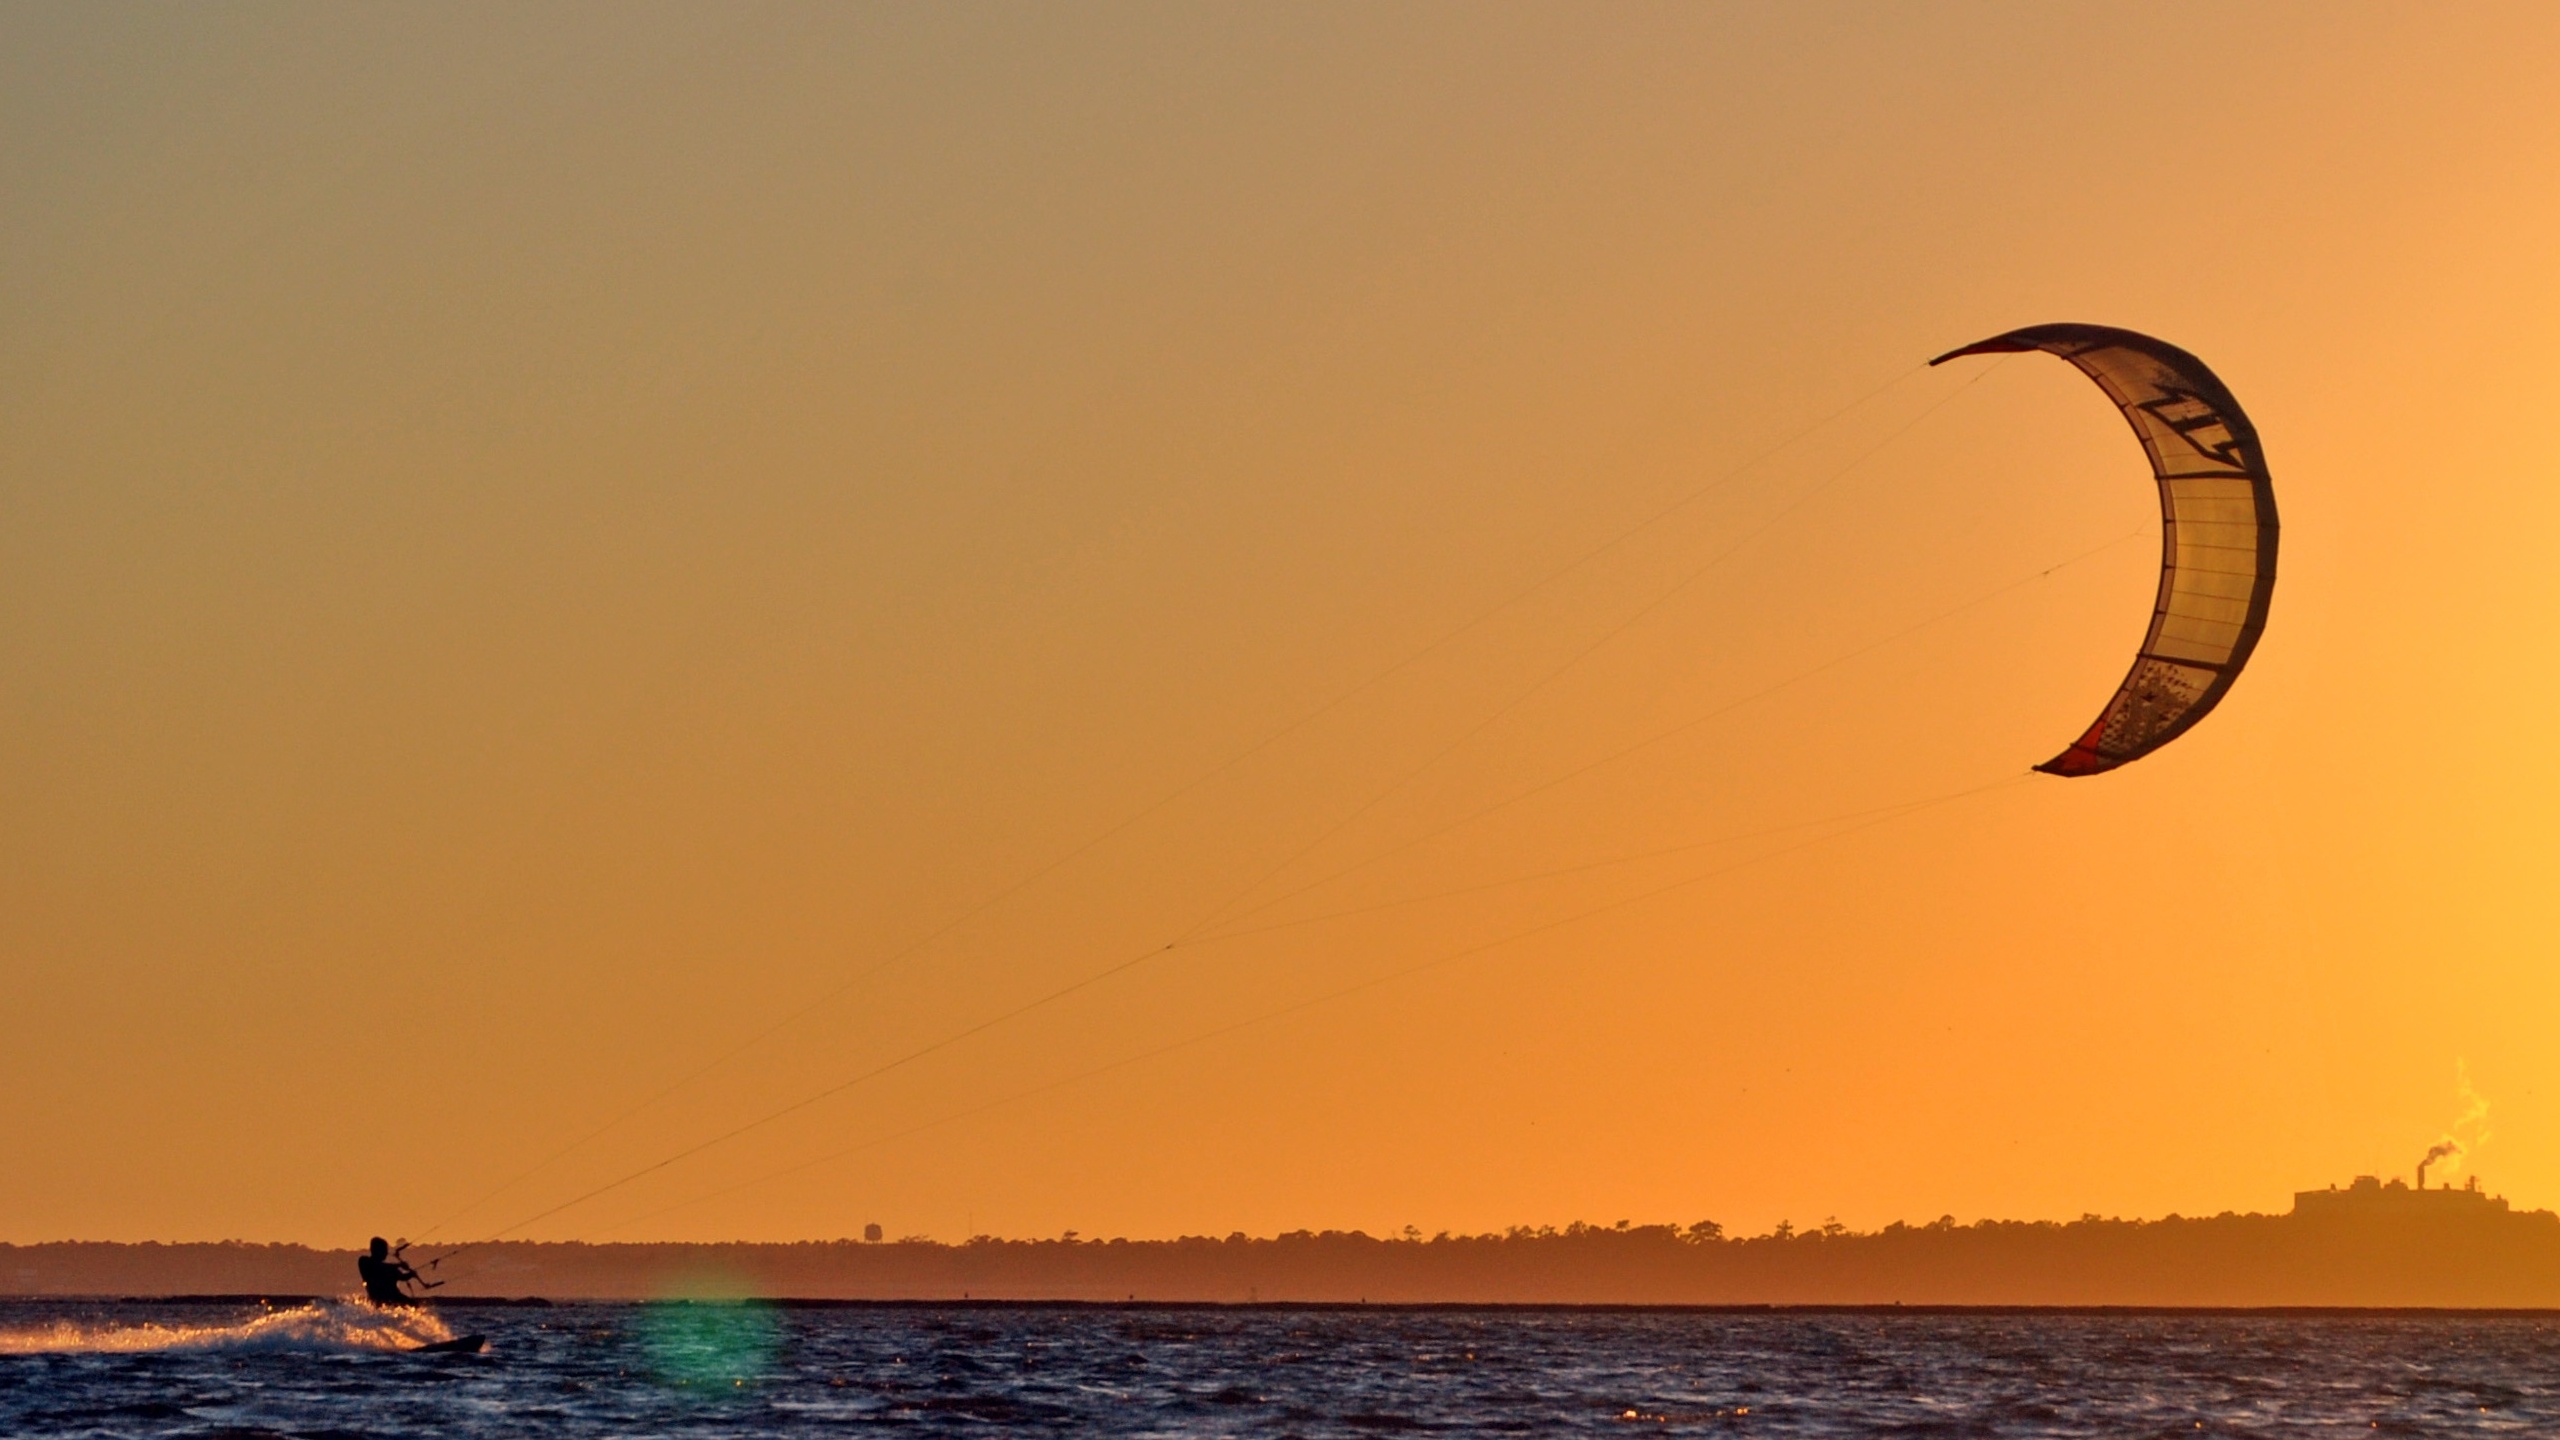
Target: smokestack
[2441, 1150]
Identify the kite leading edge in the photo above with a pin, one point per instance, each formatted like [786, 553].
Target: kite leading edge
[2218, 534]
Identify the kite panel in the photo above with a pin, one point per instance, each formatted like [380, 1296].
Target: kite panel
[2218, 534]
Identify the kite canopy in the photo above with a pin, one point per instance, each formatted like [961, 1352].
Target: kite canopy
[2218, 534]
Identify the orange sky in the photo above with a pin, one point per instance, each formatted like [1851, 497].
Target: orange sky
[536, 543]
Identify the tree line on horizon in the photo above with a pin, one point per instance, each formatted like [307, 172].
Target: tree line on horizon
[2483, 1258]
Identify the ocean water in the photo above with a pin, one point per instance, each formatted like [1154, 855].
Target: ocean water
[335, 1370]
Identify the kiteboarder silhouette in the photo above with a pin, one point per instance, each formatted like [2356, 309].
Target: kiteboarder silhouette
[385, 1272]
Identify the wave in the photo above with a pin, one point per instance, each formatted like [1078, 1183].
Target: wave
[319, 1325]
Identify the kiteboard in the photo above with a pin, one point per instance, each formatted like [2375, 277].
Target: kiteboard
[458, 1345]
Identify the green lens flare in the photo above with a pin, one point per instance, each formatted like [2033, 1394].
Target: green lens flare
[710, 1343]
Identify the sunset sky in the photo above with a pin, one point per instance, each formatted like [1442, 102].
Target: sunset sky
[544, 547]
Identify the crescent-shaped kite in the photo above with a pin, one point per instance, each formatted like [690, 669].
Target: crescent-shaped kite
[2218, 534]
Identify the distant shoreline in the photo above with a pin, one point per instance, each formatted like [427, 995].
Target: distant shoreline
[2435, 1251]
[805, 1302]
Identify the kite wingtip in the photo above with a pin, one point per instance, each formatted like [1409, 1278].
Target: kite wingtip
[2007, 344]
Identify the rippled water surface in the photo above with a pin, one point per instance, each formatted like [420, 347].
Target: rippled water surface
[708, 1370]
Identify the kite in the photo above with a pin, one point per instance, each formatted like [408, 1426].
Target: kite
[2217, 543]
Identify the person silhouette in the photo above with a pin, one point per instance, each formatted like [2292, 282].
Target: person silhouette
[384, 1273]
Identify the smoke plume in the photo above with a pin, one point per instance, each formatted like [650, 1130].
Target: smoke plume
[2470, 1129]
[2444, 1147]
